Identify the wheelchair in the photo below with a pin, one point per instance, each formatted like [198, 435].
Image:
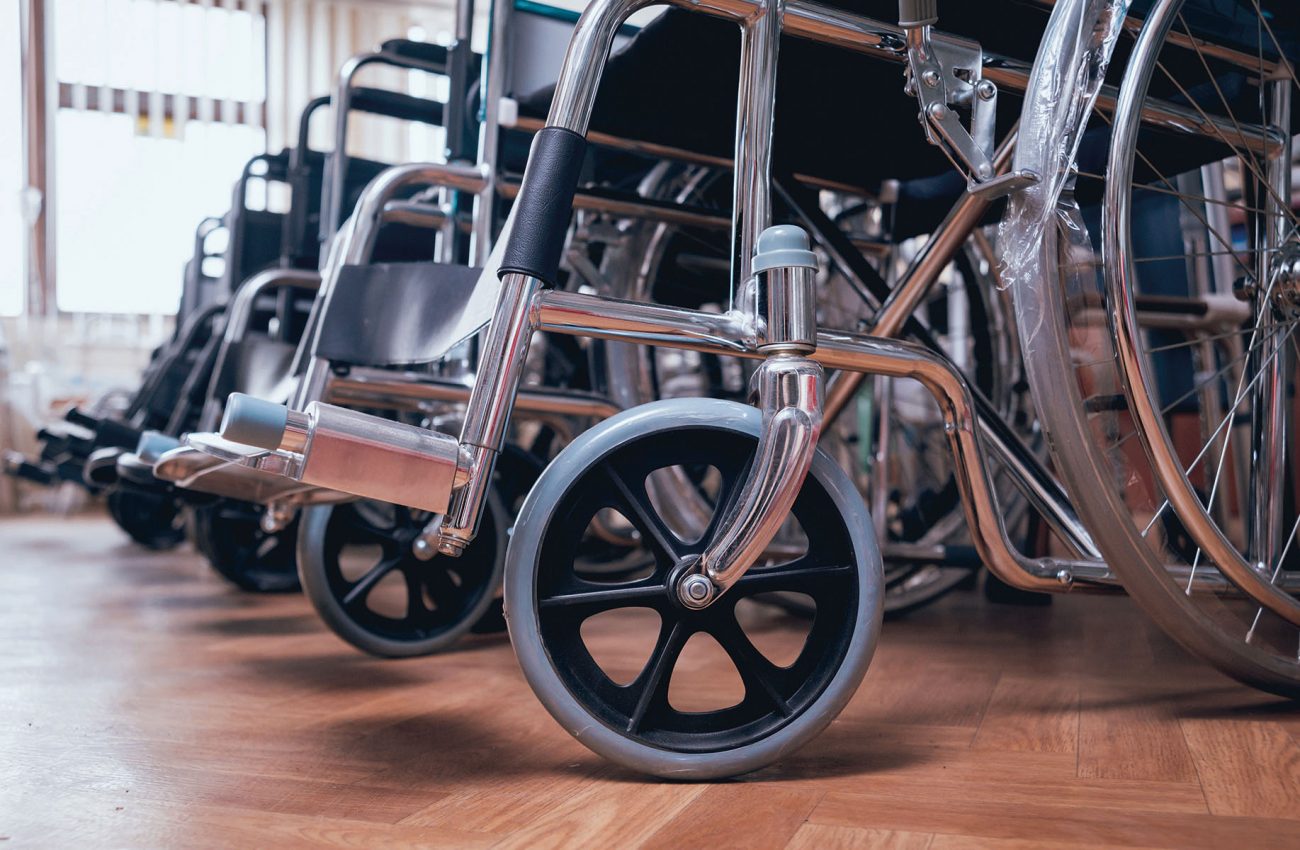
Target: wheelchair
[1147, 243]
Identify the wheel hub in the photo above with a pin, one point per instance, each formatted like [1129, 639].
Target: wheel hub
[1286, 289]
[693, 590]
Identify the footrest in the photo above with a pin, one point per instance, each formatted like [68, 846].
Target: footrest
[138, 471]
[18, 466]
[209, 464]
[101, 467]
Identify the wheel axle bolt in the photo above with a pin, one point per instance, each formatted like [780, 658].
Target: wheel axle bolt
[424, 548]
[696, 591]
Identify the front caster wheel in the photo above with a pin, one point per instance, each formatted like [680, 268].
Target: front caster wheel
[611, 657]
[230, 535]
[153, 520]
[360, 571]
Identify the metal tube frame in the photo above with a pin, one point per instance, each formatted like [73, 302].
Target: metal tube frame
[523, 307]
[727, 334]
[571, 109]
[336, 176]
[240, 314]
[751, 207]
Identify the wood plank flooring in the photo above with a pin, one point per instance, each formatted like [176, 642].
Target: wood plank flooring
[143, 703]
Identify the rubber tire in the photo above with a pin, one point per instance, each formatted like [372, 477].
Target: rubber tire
[149, 519]
[311, 572]
[521, 575]
[212, 541]
[1089, 478]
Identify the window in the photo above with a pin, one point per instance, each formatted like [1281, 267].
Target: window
[161, 103]
[123, 231]
[13, 232]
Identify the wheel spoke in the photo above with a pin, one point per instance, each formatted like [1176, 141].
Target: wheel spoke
[358, 523]
[587, 603]
[657, 673]
[1207, 380]
[361, 588]
[758, 673]
[795, 577]
[642, 514]
[447, 595]
[416, 611]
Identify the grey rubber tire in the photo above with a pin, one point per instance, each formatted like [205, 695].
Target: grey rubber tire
[521, 611]
[311, 572]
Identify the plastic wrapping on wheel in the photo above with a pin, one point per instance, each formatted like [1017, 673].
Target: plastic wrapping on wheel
[1071, 66]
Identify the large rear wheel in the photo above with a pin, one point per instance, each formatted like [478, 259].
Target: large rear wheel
[1159, 333]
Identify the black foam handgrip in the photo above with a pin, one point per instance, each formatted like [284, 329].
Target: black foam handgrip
[76, 417]
[421, 51]
[114, 433]
[397, 105]
[541, 213]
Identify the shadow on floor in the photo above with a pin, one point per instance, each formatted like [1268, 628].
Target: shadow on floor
[341, 672]
[299, 624]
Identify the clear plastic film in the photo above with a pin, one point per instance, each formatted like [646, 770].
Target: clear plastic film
[1067, 76]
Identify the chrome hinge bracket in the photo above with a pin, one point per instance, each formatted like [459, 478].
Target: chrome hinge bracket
[945, 74]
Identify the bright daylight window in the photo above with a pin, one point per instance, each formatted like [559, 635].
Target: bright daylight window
[161, 104]
[12, 231]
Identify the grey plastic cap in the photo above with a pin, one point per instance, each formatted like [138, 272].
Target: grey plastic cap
[918, 13]
[783, 245]
[254, 421]
[153, 444]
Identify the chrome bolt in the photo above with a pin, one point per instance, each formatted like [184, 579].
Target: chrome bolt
[451, 546]
[1065, 577]
[986, 90]
[275, 519]
[423, 548]
[930, 78]
[695, 591]
[938, 110]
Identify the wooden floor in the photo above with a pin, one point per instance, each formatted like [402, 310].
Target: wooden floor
[145, 704]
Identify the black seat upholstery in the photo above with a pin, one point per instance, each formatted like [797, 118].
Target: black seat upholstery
[388, 314]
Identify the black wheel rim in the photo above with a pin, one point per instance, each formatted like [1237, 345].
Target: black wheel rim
[151, 519]
[773, 695]
[440, 593]
[241, 550]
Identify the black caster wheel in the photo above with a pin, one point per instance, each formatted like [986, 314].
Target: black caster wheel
[360, 571]
[230, 535]
[650, 710]
[153, 520]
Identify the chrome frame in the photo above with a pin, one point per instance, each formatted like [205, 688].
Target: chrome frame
[341, 103]
[240, 313]
[523, 306]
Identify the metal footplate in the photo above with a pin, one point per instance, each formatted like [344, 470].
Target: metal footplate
[208, 464]
[322, 454]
